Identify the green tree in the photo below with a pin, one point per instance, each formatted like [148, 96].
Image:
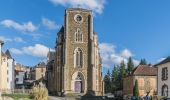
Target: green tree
[122, 73]
[135, 89]
[130, 65]
[107, 80]
[143, 62]
[115, 78]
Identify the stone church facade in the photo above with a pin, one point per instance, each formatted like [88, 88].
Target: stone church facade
[77, 67]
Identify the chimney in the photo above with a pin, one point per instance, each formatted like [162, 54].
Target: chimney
[1, 44]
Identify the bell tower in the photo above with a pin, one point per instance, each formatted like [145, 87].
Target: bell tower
[77, 65]
[78, 36]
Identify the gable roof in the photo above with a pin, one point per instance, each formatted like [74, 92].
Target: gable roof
[145, 70]
[8, 54]
[164, 61]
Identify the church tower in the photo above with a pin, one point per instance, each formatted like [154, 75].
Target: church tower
[78, 63]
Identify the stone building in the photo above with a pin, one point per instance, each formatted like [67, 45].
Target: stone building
[78, 64]
[146, 75]
[50, 71]
[164, 77]
[38, 72]
[6, 70]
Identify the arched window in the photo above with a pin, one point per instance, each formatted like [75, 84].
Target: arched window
[164, 90]
[78, 58]
[78, 36]
[78, 77]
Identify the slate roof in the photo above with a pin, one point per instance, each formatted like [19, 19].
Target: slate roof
[8, 54]
[145, 70]
[61, 30]
[164, 61]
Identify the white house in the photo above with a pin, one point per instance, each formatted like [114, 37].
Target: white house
[164, 77]
[6, 70]
[11, 67]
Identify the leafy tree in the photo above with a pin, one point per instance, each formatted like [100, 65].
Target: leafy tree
[135, 89]
[130, 65]
[143, 62]
[107, 80]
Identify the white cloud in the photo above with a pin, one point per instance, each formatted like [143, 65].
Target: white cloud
[16, 51]
[38, 50]
[5, 39]
[26, 27]
[161, 59]
[126, 53]
[110, 57]
[18, 39]
[96, 5]
[15, 39]
[49, 24]
[136, 62]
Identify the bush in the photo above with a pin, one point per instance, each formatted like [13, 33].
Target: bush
[39, 92]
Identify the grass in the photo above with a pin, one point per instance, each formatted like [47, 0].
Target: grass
[18, 96]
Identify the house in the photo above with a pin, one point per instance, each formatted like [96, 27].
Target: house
[164, 77]
[19, 79]
[146, 75]
[38, 71]
[6, 70]
[10, 71]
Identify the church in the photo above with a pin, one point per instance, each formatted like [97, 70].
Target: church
[77, 65]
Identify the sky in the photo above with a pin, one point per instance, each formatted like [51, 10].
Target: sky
[125, 28]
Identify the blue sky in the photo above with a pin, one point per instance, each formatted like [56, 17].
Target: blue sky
[137, 28]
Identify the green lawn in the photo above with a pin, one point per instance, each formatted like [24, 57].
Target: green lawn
[18, 96]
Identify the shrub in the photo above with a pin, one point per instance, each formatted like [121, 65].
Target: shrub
[39, 92]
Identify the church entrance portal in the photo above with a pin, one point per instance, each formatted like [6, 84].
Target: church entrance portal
[78, 86]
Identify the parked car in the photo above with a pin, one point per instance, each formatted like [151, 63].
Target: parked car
[109, 95]
[135, 98]
[165, 99]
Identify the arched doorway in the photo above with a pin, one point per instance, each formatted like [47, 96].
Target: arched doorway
[164, 90]
[78, 84]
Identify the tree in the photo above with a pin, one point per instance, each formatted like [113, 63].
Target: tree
[115, 78]
[122, 69]
[135, 89]
[130, 65]
[107, 80]
[143, 62]
[122, 73]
